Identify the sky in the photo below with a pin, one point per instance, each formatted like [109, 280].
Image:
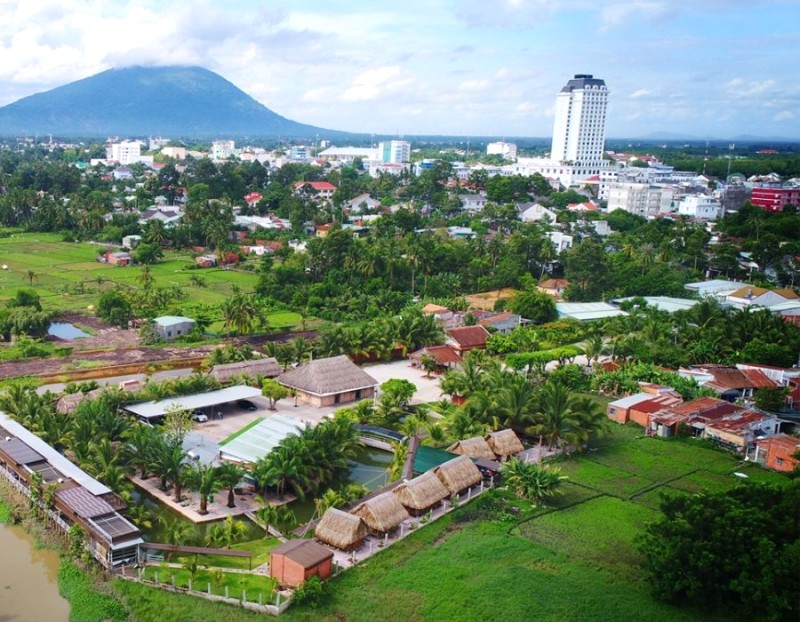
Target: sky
[713, 69]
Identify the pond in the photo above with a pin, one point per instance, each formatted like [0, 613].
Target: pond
[370, 470]
[66, 331]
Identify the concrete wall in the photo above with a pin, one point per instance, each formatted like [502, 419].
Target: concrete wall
[331, 400]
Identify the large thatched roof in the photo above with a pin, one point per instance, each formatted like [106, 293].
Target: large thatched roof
[422, 492]
[337, 374]
[504, 443]
[382, 513]
[266, 367]
[458, 474]
[340, 529]
[475, 447]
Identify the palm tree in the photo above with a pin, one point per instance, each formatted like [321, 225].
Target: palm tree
[276, 515]
[529, 480]
[169, 462]
[400, 451]
[230, 475]
[593, 348]
[205, 480]
[227, 532]
[31, 275]
[146, 278]
[555, 421]
[141, 442]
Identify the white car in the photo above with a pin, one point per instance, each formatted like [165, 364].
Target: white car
[199, 416]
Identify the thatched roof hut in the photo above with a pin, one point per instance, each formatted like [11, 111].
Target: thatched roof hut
[458, 474]
[504, 443]
[382, 513]
[266, 367]
[341, 530]
[69, 402]
[421, 493]
[475, 447]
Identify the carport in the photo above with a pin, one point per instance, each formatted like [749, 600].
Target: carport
[155, 411]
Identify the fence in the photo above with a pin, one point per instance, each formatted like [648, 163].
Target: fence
[282, 600]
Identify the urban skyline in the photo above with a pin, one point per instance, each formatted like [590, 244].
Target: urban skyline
[719, 70]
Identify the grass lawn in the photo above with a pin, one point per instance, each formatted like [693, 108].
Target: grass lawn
[236, 582]
[259, 548]
[68, 277]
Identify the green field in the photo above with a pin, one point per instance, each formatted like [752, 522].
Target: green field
[576, 560]
[68, 277]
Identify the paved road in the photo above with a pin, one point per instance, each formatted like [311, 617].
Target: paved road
[157, 376]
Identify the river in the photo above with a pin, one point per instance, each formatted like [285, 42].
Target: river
[28, 580]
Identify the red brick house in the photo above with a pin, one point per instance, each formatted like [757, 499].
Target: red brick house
[296, 561]
[778, 452]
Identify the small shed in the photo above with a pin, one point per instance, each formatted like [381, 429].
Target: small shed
[458, 474]
[382, 513]
[170, 327]
[421, 494]
[504, 443]
[266, 367]
[341, 530]
[475, 447]
[329, 381]
[296, 561]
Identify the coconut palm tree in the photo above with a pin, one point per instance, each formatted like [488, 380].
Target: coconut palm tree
[230, 475]
[555, 421]
[276, 515]
[205, 480]
[169, 463]
[141, 440]
[227, 532]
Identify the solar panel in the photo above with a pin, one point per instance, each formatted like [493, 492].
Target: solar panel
[115, 526]
[19, 452]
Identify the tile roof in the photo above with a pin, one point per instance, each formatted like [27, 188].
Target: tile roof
[499, 317]
[443, 355]
[469, 336]
[84, 503]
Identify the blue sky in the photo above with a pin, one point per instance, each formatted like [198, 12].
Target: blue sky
[708, 68]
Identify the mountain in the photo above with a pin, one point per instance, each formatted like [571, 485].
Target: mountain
[149, 101]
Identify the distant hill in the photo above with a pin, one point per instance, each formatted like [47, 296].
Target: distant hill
[142, 101]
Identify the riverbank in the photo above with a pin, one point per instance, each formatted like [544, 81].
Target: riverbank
[86, 596]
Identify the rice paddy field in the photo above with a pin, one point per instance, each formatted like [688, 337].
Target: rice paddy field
[575, 560]
[68, 276]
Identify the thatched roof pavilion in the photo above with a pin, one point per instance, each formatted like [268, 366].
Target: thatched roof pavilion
[475, 447]
[504, 443]
[267, 367]
[382, 513]
[341, 530]
[421, 493]
[458, 474]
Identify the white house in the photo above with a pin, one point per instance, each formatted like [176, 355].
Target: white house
[362, 202]
[534, 212]
[701, 207]
[507, 150]
[473, 203]
[561, 241]
[752, 296]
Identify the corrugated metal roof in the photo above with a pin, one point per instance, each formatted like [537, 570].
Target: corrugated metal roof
[19, 452]
[632, 400]
[261, 439]
[53, 457]
[190, 402]
[586, 311]
[84, 503]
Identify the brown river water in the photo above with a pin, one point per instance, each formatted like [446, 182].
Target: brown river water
[28, 585]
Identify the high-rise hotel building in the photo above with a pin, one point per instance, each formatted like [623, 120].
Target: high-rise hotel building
[579, 129]
[579, 133]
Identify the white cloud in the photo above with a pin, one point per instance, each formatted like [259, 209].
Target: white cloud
[738, 88]
[376, 83]
[474, 86]
[619, 13]
[784, 115]
[640, 93]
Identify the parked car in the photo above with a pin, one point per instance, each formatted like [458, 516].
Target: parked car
[199, 416]
[246, 405]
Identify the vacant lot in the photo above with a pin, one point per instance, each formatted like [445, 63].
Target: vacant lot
[68, 276]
